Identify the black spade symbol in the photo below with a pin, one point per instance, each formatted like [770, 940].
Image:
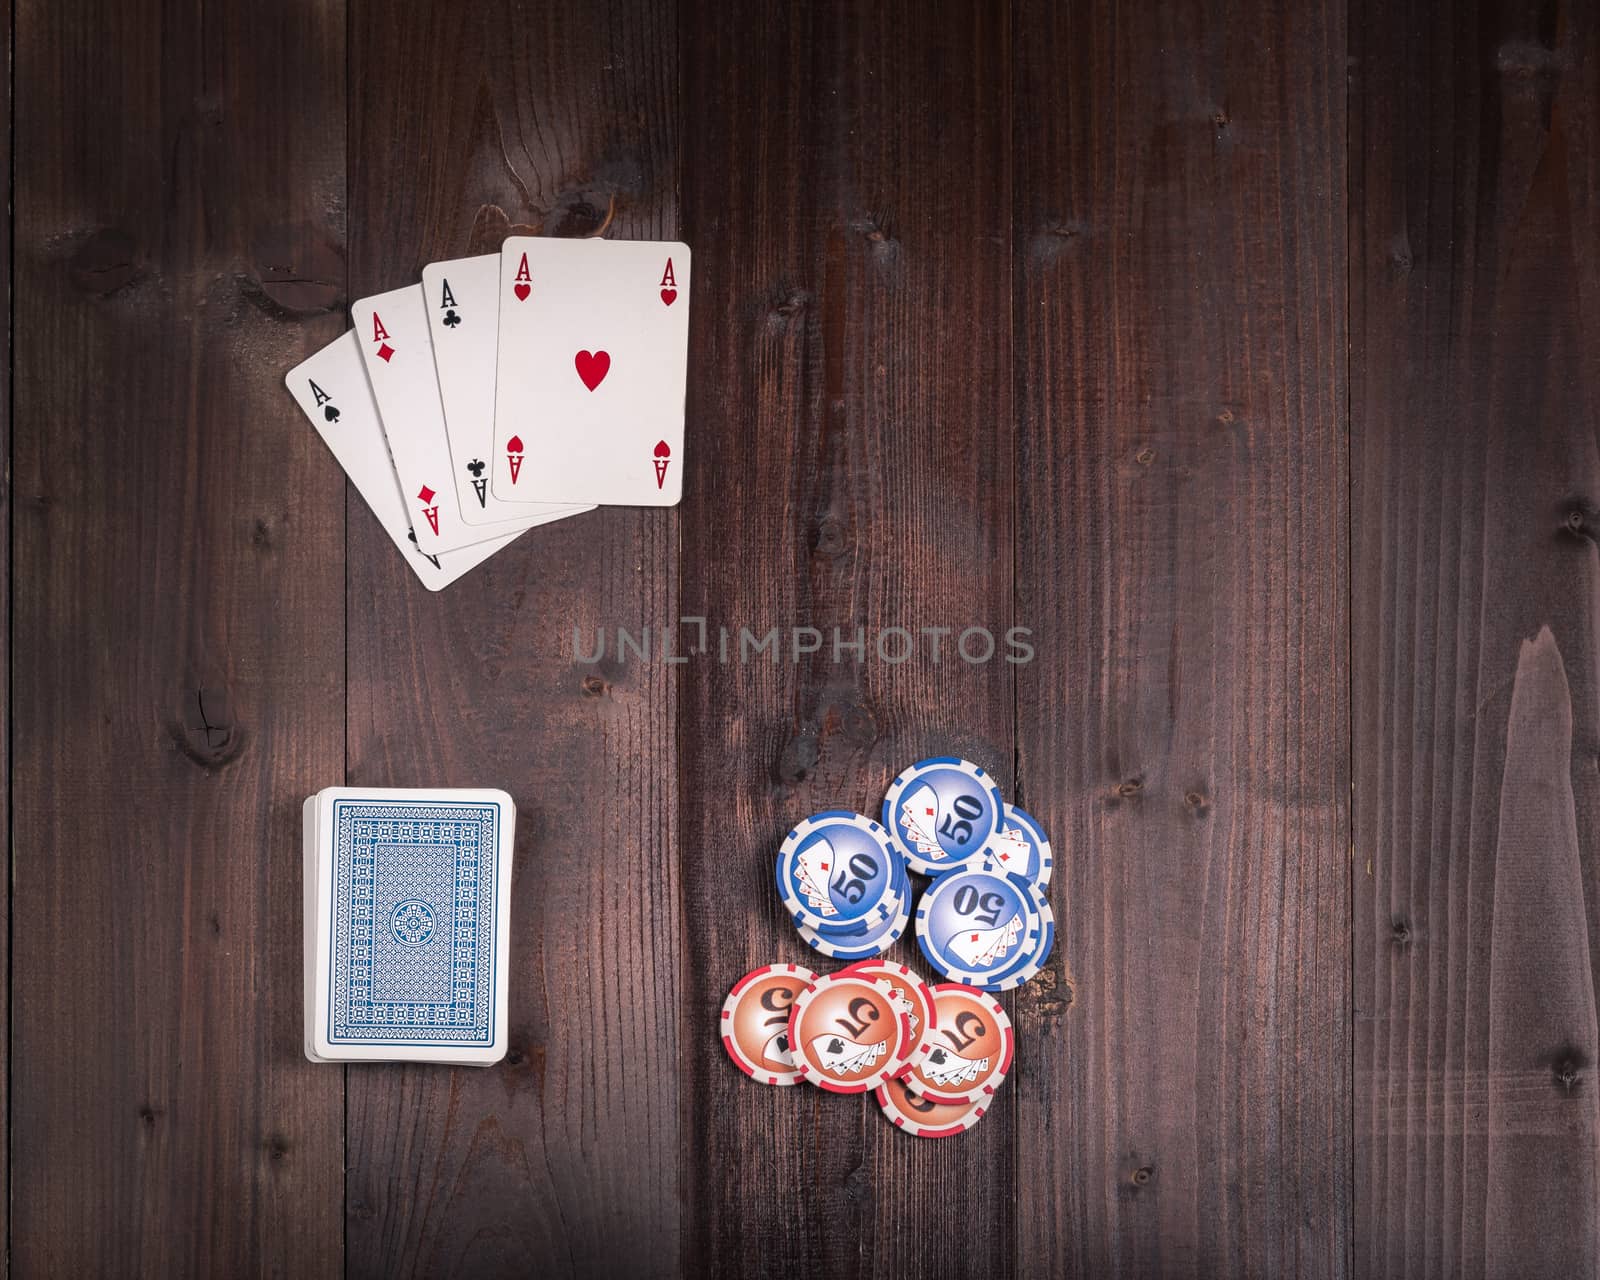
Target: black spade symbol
[783, 1042]
[451, 319]
[937, 1057]
[476, 467]
[836, 1045]
[433, 560]
[330, 413]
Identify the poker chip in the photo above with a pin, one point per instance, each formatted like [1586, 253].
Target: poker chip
[976, 925]
[932, 1056]
[969, 1052]
[870, 942]
[844, 1030]
[838, 872]
[1021, 847]
[915, 1000]
[941, 814]
[922, 1116]
[893, 902]
[862, 941]
[1032, 963]
[755, 1022]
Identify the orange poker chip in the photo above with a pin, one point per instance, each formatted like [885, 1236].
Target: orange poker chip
[969, 1052]
[914, 998]
[926, 1119]
[845, 1030]
[755, 1022]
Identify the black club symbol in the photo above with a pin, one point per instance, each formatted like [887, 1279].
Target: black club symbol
[476, 467]
[451, 319]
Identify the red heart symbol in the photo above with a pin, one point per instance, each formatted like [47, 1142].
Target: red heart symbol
[592, 367]
[522, 291]
[669, 296]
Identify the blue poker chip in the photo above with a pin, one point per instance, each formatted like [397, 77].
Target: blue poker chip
[941, 814]
[1021, 847]
[898, 898]
[1033, 963]
[977, 925]
[870, 942]
[837, 873]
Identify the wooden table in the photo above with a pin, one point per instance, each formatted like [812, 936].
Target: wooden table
[1246, 354]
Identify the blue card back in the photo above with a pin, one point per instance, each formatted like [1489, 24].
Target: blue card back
[412, 926]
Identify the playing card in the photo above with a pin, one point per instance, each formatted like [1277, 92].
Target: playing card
[308, 818]
[842, 1056]
[463, 303]
[918, 811]
[1010, 849]
[411, 907]
[331, 389]
[979, 946]
[947, 1069]
[814, 865]
[398, 353]
[591, 372]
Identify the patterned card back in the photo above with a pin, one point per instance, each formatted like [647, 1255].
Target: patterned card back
[413, 923]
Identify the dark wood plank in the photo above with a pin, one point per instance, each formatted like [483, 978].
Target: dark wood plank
[846, 191]
[178, 635]
[1475, 393]
[5, 627]
[562, 1160]
[1180, 346]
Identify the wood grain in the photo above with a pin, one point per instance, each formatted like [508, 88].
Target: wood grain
[1181, 526]
[5, 627]
[1475, 251]
[177, 639]
[562, 1159]
[846, 182]
[1542, 1127]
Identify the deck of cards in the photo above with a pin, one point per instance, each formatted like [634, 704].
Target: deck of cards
[407, 901]
[506, 391]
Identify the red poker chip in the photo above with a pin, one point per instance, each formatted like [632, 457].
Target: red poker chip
[915, 999]
[970, 1050]
[924, 1118]
[845, 1030]
[755, 1022]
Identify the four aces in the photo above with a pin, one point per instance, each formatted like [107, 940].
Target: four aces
[507, 391]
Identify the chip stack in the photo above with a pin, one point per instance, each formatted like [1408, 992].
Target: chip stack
[844, 885]
[984, 920]
[931, 1055]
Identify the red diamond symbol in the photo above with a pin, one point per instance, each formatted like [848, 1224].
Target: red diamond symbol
[384, 352]
[426, 494]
